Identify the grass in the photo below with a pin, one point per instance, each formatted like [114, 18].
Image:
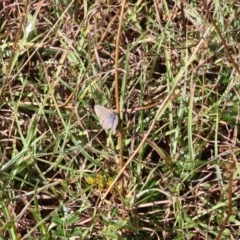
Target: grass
[171, 172]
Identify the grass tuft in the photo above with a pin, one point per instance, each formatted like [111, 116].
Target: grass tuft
[169, 70]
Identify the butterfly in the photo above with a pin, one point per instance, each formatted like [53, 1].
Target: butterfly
[108, 119]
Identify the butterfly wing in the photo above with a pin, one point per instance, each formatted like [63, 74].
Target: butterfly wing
[101, 111]
[108, 119]
[106, 122]
[115, 123]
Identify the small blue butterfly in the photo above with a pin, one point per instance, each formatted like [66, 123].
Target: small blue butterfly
[108, 119]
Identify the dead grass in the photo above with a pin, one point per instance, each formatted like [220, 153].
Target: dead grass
[178, 81]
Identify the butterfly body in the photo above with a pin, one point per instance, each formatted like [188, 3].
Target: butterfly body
[108, 119]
